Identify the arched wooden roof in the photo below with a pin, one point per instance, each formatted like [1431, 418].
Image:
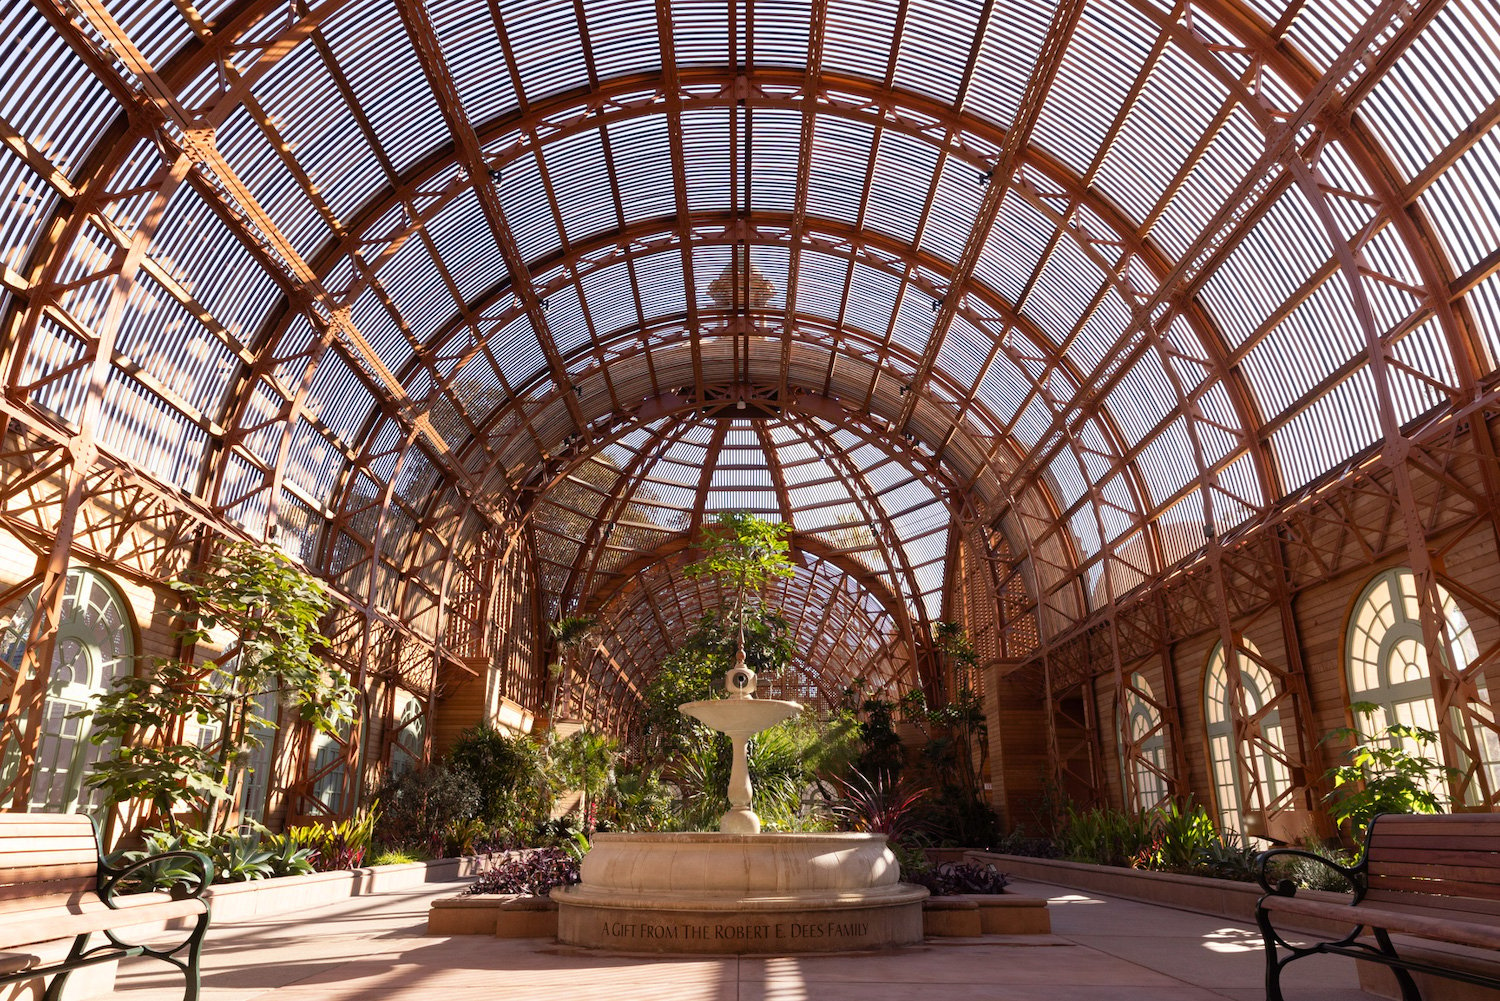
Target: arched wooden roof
[1101, 276]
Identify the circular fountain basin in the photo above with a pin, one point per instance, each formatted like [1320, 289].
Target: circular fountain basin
[738, 893]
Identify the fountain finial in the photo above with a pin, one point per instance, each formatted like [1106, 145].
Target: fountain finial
[739, 680]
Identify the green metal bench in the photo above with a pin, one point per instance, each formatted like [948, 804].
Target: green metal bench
[55, 886]
[1429, 877]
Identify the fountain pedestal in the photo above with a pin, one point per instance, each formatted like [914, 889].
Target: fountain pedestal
[740, 717]
[728, 893]
[740, 891]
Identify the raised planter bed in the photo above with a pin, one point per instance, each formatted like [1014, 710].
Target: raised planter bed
[968, 914]
[1221, 897]
[498, 914]
[240, 901]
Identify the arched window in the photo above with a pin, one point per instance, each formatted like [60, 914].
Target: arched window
[1143, 749]
[409, 742]
[1224, 754]
[95, 644]
[328, 770]
[1388, 666]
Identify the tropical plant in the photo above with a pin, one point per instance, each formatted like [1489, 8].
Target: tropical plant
[562, 833]
[1309, 874]
[951, 878]
[1104, 836]
[569, 635]
[288, 859]
[233, 858]
[395, 856]
[1229, 856]
[270, 612]
[638, 800]
[911, 859]
[582, 761]
[1182, 832]
[881, 805]
[508, 774]
[778, 767]
[702, 779]
[158, 874]
[881, 749]
[534, 871]
[1385, 772]
[462, 837]
[418, 807]
[334, 846]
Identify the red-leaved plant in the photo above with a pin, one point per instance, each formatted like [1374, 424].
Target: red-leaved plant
[880, 805]
[533, 871]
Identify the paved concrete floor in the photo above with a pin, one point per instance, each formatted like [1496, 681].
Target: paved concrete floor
[1102, 949]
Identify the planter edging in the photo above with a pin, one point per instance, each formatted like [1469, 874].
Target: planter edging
[1204, 894]
[231, 902]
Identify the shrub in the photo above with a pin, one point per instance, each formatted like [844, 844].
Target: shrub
[960, 877]
[1016, 843]
[956, 816]
[334, 847]
[534, 871]
[419, 806]
[508, 774]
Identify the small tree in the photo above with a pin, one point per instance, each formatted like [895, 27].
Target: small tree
[1384, 772]
[270, 611]
[744, 554]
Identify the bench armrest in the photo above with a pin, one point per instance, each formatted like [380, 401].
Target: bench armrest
[183, 889]
[1355, 874]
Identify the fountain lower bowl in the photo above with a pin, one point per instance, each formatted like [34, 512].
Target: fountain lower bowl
[738, 893]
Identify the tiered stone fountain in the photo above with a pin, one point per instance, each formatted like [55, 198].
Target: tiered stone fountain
[738, 890]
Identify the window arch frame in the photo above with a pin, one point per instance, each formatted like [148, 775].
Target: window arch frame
[1144, 787]
[1403, 634]
[63, 752]
[1259, 686]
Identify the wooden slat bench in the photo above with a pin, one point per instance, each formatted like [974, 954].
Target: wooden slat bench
[1430, 877]
[55, 885]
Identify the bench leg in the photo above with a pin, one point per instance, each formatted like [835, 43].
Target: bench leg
[190, 963]
[60, 979]
[1409, 990]
[192, 969]
[1273, 968]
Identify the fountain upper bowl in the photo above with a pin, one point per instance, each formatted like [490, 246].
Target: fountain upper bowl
[745, 716]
